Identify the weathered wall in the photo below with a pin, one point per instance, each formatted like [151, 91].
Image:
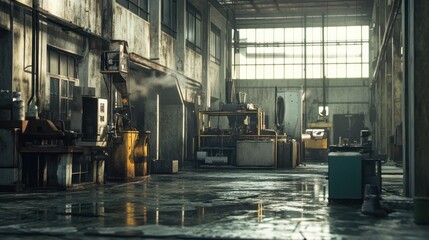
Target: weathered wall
[217, 72]
[21, 79]
[193, 65]
[4, 19]
[86, 14]
[343, 96]
[168, 51]
[132, 28]
[172, 133]
[216, 92]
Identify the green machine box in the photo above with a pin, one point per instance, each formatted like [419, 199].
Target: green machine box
[345, 175]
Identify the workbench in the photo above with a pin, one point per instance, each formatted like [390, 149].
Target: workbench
[59, 167]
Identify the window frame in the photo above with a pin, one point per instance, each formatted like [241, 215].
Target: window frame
[216, 45]
[194, 38]
[169, 17]
[139, 8]
[344, 58]
[58, 96]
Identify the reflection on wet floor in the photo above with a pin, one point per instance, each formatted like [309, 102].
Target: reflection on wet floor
[214, 204]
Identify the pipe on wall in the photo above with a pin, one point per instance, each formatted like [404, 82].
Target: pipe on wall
[34, 53]
[12, 39]
[37, 70]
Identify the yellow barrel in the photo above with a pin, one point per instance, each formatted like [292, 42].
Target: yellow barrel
[122, 165]
[140, 156]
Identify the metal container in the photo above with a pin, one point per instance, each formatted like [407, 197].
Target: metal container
[345, 175]
[256, 153]
[122, 165]
[284, 154]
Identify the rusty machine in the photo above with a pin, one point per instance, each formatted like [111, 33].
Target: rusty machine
[236, 135]
[128, 147]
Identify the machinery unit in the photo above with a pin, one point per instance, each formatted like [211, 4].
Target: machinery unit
[289, 111]
[258, 153]
[317, 144]
[127, 146]
[94, 122]
[219, 142]
[122, 163]
[345, 175]
[236, 135]
[115, 60]
[351, 167]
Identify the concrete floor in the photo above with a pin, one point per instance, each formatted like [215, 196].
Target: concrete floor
[202, 204]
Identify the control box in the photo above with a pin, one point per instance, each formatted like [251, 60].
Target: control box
[94, 122]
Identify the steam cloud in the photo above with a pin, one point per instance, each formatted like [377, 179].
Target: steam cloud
[142, 84]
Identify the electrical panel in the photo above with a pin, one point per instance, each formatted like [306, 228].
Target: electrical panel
[94, 121]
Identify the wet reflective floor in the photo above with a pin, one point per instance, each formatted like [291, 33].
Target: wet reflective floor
[201, 204]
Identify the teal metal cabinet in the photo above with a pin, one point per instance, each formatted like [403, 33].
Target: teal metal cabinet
[345, 175]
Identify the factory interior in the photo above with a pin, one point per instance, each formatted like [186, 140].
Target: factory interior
[214, 119]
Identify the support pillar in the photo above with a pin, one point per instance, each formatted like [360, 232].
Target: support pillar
[397, 73]
[397, 90]
[382, 112]
[416, 86]
[387, 101]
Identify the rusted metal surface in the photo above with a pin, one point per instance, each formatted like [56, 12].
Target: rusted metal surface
[121, 166]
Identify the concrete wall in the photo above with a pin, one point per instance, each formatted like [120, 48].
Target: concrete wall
[132, 28]
[5, 61]
[194, 65]
[343, 96]
[217, 72]
[167, 55]
[86, 14]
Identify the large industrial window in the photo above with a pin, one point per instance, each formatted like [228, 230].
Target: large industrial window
[193, 36]
[62, 72]
[296, 53]
[215, 44]
[169, 17]
[139, 7]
